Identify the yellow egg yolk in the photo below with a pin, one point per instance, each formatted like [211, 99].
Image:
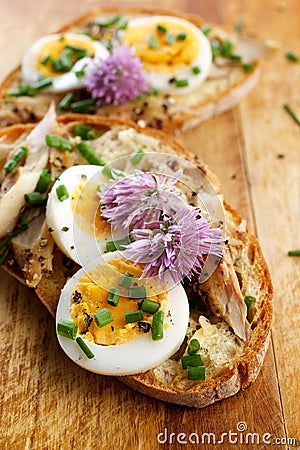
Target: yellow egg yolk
[163, 51]
[91, 293]
[54, 50]
[85, 204]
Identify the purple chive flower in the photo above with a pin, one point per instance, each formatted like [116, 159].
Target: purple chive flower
[135, 200]
[117, 79]
[176, 244]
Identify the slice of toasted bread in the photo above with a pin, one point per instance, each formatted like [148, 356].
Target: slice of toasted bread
[168, 382]
[227, 84]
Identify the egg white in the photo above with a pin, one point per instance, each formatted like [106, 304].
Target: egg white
[68, 80]
[136, 356]
[203, 60]
[74, 242]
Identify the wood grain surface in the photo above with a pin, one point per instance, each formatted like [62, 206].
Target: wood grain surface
[49, 403]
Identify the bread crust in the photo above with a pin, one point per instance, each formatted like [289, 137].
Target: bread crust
[214, 97]
[243, 370]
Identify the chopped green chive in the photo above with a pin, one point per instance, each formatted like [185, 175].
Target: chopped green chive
[35, 199]
[196, 70]
[161, 28]
[3, 256]
[206, 29]
[215, 48]
[292, 114]
[226, 48]
[126, 280]
[181, 37]
[137, 156]
[153, 42]
[110, 172]
[66, 101]
[78, 51]
[123, 25]
[86, 350]
[67, 329]
[181, 83]
[45, 60]
[88, 153]
[133, 316]
[196, 373]
[80, 73]
[43, 84]
[62, 193]
[191, 360]
[193, 347]
[249, 300]
[63, 64]
[153, 91]
[12, 163]
[137, 292]
[292, 56]
[43, 181]
[235, 57]
[62, 38]
[118, 244]
[108, 22]
[294, 253]
[158, 326]
[248, 67]
[149, 306]
[113, 296]
[25, 89]
[82, 106]
[170, 38]
[103, 317]
[86, 132]
[8, 238]
[58, 142]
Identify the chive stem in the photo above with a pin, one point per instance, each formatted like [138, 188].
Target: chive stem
[294, 253]
[35, 199]
[62, 193]
[133, 316]
[193, 347]
[66, 101]
[3, 256]
[87, 152]
[103, 317]
[67, 328]
[58, 142]
[291, 113]
[113, 296]
[196, 373]
[158, 326]
[126, 280]
[191, 360]
[13, 234]
[12, 163]
[86, 350]
[149, 306]
[137, 156]
[43, 181]
[137, 292]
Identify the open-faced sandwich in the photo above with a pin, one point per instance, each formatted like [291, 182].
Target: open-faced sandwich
[162, 69]
[124, 236]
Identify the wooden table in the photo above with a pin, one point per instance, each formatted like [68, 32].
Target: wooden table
[49, 403]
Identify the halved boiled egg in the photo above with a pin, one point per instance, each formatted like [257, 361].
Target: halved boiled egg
[75, 222]
[61, 58]
[119, 339]
[176, 55]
